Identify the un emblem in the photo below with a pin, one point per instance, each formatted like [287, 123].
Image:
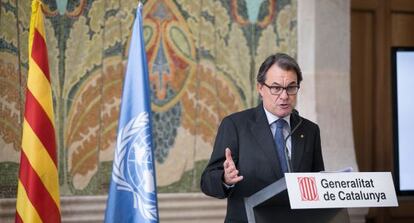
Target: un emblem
[133, 168]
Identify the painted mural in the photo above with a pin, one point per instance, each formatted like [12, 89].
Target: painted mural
[203, 58]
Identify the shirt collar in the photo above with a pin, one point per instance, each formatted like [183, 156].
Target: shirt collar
[271, 118]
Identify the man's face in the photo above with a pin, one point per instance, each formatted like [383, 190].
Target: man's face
[280, 105]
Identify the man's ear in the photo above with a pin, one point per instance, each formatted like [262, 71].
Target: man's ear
[259, 88]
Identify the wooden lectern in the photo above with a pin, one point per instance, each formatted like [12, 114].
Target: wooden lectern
[271, 204]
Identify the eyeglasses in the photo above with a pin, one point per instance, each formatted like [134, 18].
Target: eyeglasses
[277, 90]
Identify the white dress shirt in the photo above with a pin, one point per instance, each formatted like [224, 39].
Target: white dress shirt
[271, 118]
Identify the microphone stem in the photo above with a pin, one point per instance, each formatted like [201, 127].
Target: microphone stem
[287, 157]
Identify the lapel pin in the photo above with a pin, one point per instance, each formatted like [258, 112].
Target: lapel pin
[301, 136]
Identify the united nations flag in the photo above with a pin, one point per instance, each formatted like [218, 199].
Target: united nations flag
[132, 194]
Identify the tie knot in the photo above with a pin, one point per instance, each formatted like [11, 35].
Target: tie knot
[280, 123]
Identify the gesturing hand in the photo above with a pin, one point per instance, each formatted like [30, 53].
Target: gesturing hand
[230, 172]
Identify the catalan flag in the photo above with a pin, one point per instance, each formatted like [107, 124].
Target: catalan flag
[38, 187]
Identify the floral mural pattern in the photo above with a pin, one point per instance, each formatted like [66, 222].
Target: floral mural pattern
[203, 57]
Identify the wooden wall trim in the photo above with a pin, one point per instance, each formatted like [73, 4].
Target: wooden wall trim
[364, 4]
[402, 5]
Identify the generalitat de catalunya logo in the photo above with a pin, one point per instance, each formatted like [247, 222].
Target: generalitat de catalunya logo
[308, 190]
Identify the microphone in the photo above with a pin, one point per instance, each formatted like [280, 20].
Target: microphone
[287, 157]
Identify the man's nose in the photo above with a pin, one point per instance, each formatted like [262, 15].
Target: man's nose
[284, 94]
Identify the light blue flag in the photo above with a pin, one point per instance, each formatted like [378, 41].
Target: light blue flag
[133, 193]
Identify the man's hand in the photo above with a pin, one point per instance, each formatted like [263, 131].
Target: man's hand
[231, 176]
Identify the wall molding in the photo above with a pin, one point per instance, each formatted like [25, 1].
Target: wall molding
[173, 208]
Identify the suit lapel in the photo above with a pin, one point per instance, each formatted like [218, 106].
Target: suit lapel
[261, 132]
[298, 141]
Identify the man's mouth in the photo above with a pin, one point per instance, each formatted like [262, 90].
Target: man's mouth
[284, 106]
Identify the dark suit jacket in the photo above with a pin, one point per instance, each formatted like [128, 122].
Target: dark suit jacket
[248, 135]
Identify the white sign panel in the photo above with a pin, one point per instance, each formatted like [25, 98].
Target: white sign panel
[340, 190]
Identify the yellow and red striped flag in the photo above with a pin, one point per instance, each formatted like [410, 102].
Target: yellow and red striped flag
[38, 187]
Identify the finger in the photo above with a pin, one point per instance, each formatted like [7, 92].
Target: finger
[238, 179]
[235, 180]
[230, 166]
[229, 160]
[233, 173]
[227, 179]
[228, 154]
[226, 165]
[230, 173]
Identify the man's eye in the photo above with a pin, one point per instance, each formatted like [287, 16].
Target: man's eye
[277, 88]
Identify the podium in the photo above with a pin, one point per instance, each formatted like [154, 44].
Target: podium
[271, 204]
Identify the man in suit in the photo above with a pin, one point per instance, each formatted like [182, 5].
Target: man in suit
[255, 147]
